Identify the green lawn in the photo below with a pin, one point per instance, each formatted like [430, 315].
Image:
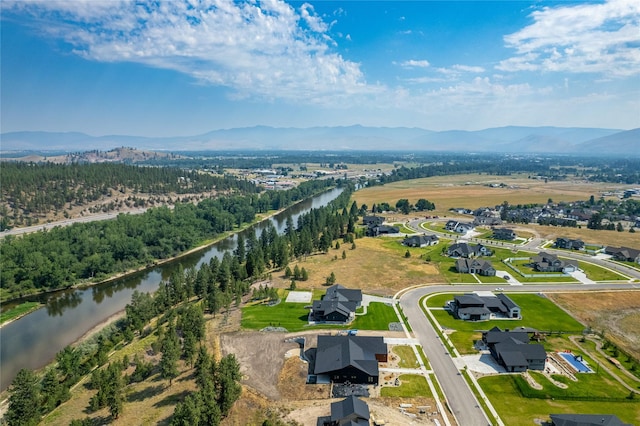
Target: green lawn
[378, 317]
[18, 311]
[294, 316]
[411, 385]
[407, 356]
[503, 393]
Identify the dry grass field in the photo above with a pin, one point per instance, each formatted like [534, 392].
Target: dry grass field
[474, 191]
[617, 313]
[377, 265]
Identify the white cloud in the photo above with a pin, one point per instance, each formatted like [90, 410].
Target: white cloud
[267, 50]
[595, 38]
[412, 63]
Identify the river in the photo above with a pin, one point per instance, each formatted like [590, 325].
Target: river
[34, 340]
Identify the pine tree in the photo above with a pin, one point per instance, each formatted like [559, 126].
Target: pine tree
[24, 401]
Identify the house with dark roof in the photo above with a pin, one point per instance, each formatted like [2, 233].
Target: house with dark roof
[339, 304]
[351, 359]
[624, 254]
[475, 266]
[569, 244]
[351, 411]
[586, 420]
[473, 307]
[420, 240]
[547, 262]
[506, 234]
[372, 220]
[377, 230]
[486, 216]
[512, 350]
[459, 227]
[467, 250]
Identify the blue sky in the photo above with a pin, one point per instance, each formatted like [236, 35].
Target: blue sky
[178, 67]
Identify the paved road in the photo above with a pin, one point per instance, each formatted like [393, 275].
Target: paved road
[459, 397]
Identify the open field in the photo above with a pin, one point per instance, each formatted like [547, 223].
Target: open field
[377, 265]
[472, 191]
[617, 313]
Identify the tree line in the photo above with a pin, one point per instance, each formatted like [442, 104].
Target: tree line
[65, 256]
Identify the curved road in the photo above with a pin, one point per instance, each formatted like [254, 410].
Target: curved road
[461, 401]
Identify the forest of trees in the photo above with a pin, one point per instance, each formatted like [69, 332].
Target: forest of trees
[65, 256]
[32, 189]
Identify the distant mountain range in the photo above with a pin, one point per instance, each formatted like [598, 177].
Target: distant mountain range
[512, 139]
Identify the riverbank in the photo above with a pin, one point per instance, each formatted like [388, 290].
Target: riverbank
[18, 312]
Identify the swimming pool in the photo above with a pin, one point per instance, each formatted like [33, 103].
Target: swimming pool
[579, 365]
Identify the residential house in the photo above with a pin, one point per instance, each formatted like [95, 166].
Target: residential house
[546, 262]
[474, 307]
[339, 304]
[421, 240]
[624, 254]
[459, 227]
[507, 234]
[569, 244]
[475, 266]
[512, 350]
[486, 216]
[586, 420]
[351, 359]
[372, 220]
[467, 251]
[351, 411]
[376, 230]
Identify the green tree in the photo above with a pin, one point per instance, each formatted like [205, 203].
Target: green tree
[344, 254]
[403, 205]
[304, 275]
[331, 279]
[407, 254]
[24, 399]
[170, 353]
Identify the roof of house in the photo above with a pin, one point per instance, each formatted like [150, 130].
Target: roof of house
[337, 352]
[351, 407]
[494, 336]
[483, 265]
[506, 301]
[527, 351]
[586, 420]
[330, 306]
[343, 294]
[419, 240]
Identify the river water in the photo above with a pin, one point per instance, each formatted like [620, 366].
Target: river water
[34, 340]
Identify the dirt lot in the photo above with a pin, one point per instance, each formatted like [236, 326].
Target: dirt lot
[617, 313]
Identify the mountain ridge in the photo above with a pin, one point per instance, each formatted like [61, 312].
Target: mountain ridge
[508, 139]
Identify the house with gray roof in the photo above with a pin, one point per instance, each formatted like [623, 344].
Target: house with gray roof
[569, 244]
[351, 411]
[547, 262]
[512, 350]
[351, 359]
[467, 250]
[475, 266]
[625, 254]
[339, 304]
[459, 227]
[473, 307]
[421, 240]
[506, 234]
[586, 420]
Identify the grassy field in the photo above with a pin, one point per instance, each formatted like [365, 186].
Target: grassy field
[18, 311]
[513, 410]
[294, 316]
[411, 385]
[407, 357]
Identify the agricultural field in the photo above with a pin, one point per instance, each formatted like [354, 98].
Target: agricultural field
[473, 191]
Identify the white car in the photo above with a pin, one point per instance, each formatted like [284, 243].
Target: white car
[499, 289]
